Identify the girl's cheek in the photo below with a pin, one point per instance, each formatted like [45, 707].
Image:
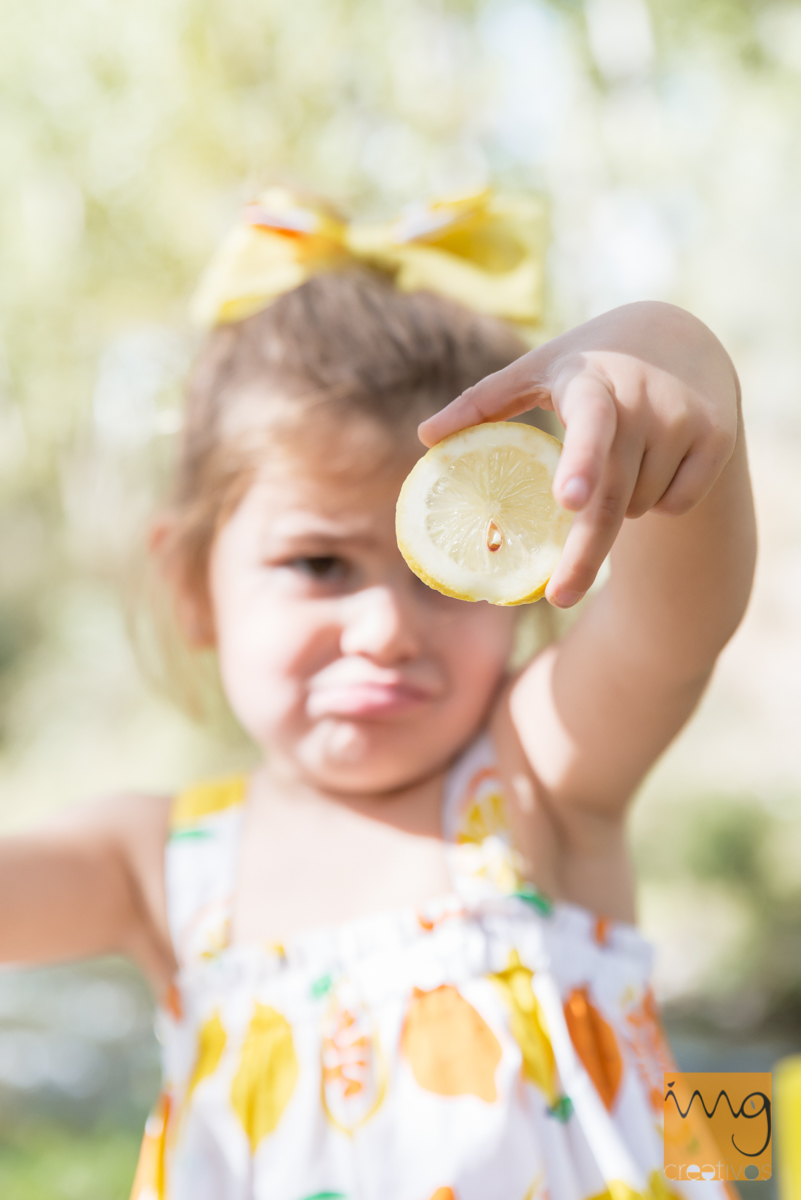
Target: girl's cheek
[283, 656]
[489, 634]
[255, 665]
[265, 695]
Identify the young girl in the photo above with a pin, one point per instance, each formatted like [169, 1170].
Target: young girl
[397, 962]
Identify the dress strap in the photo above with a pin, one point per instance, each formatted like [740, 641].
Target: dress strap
[200, 866]
[476, 828]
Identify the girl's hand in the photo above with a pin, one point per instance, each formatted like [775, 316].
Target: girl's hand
[649, 401]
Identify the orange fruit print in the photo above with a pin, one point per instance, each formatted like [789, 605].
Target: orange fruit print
[449, 1046]
[595, 1043]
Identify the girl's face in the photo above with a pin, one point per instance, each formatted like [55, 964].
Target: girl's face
[336, 659]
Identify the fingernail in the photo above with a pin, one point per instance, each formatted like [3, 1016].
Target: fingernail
[566, 599]
[574, 493]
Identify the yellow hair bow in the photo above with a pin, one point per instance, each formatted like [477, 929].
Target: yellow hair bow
[485, 250]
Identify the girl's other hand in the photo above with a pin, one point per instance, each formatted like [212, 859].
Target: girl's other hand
[649, 401]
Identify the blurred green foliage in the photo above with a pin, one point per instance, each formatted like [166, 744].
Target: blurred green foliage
[731, 850]
[720, 838]
[51, 1163]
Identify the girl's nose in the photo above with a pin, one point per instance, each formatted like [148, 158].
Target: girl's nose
[378, 627]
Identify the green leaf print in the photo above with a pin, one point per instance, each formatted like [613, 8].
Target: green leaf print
[321, 987]
[535, 898]
[327, 1196]
[562, 1110]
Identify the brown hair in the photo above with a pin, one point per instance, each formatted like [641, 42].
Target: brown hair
[342, 344]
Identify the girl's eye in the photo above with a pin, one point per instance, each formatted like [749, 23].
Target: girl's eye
[323, 567]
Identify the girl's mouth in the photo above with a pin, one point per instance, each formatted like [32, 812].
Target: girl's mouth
[365, 699]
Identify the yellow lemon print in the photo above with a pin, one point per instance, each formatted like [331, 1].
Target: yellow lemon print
[267, 1074]
[482, 835]
[537, 1189]
[206, 800]
[451, 1049]
[595, 1043]
[657, 1190]
[660, 1191]
[618, 1190]
[211, 1041]
[210, 1046]
[484, 813]
[529, 1027]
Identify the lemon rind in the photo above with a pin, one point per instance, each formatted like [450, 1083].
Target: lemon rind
[437, 586]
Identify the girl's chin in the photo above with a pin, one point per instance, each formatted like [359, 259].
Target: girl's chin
[339, 743]
[347, 755]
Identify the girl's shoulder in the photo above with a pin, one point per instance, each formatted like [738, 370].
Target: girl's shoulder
[131, 826]
[89, 880]
[135, 828]
[137, 825]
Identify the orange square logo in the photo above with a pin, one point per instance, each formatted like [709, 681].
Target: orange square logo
[718, 1125]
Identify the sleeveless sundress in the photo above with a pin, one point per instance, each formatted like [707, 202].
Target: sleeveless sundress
[494, 1046]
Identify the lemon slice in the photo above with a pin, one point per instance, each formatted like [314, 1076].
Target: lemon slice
[476, 518]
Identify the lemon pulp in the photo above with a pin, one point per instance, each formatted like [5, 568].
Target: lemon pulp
[482, 513]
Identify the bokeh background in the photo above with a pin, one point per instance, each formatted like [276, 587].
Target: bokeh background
[666, 136]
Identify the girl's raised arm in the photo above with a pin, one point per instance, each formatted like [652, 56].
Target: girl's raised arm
[651, 407]
[85, 884]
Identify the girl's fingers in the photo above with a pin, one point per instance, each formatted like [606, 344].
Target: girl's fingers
[657, 470]
[497, 397]
[696, 474]
[593, 532]
[584, 552]
[587, 410]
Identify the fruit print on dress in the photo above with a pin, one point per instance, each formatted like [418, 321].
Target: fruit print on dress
[204, 800]
[210, 1046]
[149, 1181]
[483, 813]
[172, 1002]
[209, 932]
[595, 1043]
[483, 846]
[327, 1196]
[529, 1029]
[652, 1055]
[353, 1070]
[267, 1075]
[162, 1128]
[538, 1190]
[449, 1046]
